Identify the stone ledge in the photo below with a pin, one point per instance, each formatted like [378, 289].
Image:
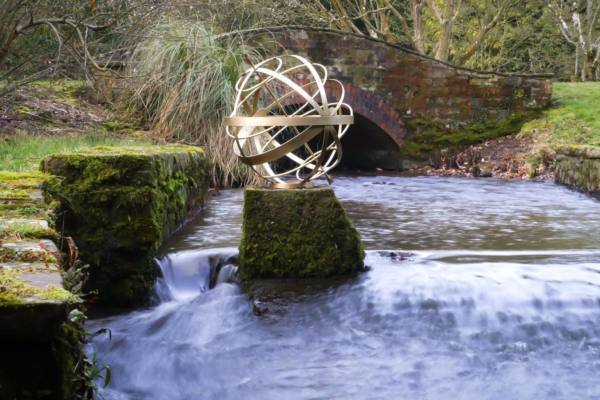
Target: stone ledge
[579, 167]
[39, 344]
[119, 205]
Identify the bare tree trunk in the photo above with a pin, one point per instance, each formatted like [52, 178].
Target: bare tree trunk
[418, 37]
[584, 65]
[446, 18]
[576, 72]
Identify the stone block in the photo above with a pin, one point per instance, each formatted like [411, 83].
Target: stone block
[297, 233]
[579, 167]
[119, 205]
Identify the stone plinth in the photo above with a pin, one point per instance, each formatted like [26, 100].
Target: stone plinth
[297, 233]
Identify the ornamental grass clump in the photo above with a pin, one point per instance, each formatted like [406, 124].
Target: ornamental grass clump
[183, 84]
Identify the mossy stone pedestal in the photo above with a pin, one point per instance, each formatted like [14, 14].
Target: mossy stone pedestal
[297, 233]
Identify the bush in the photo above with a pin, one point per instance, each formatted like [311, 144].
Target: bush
[183, 83]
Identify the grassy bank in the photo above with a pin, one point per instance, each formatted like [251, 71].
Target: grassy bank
[55, 116]
[23, 153]
[573, 120]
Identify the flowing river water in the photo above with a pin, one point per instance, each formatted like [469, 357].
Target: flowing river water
[499, 298]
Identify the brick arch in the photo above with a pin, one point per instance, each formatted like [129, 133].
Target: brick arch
[389, 84]
[373, 107]
[368, 104]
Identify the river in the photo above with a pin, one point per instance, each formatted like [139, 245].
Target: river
[477, 289]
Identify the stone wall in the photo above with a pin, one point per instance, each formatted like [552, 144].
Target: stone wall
[390, 84]
[579, 168]
[119, 205]
[39, 343]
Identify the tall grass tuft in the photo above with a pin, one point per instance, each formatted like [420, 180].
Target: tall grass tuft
[183, 83]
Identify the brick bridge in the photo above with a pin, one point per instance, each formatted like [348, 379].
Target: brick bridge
[389, 85]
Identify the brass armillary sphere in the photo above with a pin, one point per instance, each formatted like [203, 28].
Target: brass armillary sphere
[283, 124]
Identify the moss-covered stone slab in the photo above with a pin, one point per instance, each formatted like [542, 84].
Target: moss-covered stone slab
[40, 345]
[39, 352]
[119, 205]
[297, 233]
[30, 275]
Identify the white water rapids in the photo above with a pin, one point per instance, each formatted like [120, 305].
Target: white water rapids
[498, 298]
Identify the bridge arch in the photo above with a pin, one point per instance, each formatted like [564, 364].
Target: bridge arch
[374, 140]
[389, 85]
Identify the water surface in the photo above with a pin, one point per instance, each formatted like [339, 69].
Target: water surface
[499, 299]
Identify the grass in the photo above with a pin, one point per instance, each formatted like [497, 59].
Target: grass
[23, 153]
[574, 119]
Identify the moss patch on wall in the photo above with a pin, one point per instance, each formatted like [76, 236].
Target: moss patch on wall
[14, 290]
[425, 137]
[297, 233]
[119, 205]
[579, 167]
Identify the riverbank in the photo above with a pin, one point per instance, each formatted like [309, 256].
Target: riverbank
[108, 194]
[531, 153]
[57, 116]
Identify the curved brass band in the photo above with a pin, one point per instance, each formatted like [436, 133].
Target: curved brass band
[281, 151]
[307, 120]
[292, 185]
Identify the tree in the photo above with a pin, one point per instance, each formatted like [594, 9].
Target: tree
[526, 40]
[417, 21]
[577, 21]
[80, 31]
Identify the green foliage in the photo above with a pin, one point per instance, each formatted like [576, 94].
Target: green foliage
[184, 84]
[526, 40]
[574, 117]
[429, 136]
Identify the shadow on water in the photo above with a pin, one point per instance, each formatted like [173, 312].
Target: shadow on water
[477, 288]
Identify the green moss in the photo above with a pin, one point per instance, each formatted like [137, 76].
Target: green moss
[28, 256]
[22, 109]
[64, 91]
[427, 136]
[27, 211]
[119, 204]
[27, 230]
[13, 290]
[297, 233]
[118, 125]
